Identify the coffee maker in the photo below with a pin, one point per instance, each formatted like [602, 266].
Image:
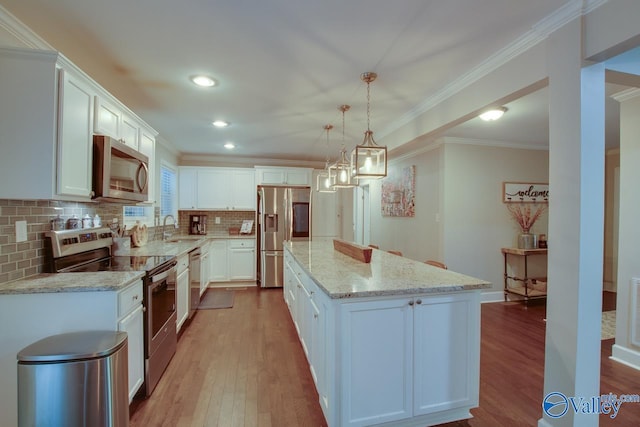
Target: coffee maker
[197, 224]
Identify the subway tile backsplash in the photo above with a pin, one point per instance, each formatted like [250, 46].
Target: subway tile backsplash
[20, 260]
[24, 259]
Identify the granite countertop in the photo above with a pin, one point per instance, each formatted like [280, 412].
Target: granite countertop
[178, 244]
[341, 276]
[71, 282]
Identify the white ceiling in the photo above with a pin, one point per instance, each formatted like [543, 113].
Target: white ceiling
[284, 66]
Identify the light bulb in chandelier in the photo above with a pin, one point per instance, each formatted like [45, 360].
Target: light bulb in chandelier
[341, 170]
[368, 163]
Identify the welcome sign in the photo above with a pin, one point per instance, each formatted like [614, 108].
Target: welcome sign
[525, 192]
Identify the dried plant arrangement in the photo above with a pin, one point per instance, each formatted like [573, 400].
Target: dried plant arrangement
[524, 215]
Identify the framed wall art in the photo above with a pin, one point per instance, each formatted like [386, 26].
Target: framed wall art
[398, 192]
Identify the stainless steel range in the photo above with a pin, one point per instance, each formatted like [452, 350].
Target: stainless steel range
[90, 250]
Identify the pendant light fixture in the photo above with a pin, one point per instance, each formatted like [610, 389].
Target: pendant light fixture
[324, 179]
[341, 170]
[369, 160]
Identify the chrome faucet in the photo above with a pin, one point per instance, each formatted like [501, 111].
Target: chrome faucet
[166, 234]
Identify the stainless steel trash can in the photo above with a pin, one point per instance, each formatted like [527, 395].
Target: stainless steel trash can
[74, 379]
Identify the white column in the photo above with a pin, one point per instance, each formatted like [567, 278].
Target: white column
[576, 225]
[629, 233]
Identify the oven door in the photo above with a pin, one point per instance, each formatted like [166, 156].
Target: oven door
[161, 309]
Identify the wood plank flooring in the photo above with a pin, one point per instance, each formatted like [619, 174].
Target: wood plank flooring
[244, 366]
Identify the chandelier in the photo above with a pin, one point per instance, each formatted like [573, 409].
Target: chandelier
[341, 170]
[369, 160]
[324, 179]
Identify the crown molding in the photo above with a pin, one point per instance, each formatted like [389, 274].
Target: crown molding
[539, 32]
[21, 32]
[432, 145]
[494, 143]
[626, 94]
[189, 159]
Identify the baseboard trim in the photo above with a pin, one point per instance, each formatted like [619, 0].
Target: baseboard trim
[492, 296]
[626, 356]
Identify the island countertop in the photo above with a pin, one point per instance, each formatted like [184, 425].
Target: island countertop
[341, 276]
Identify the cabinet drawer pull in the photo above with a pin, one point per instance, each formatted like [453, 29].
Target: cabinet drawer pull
[419, 301]
[315, 316]
[411, 302]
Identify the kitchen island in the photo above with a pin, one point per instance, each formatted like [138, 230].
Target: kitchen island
[392, 342]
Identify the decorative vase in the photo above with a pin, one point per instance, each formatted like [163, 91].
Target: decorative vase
[526, 240]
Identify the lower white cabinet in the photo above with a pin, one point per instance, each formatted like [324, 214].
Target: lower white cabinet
[242, 259]
[132, 324]
[402, 360]
[182, 290]
[218, 261]
[232, 259]
[130, 320]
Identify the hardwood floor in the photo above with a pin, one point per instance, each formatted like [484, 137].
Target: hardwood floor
[244, 366]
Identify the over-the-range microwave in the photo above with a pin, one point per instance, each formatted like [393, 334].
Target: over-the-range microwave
[120, 173]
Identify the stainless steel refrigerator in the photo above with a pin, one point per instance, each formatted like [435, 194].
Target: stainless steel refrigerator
[284, 214]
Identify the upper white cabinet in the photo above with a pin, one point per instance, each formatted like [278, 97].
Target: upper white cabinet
[49, 111]
[187, 184]
[114, 121]
[217, 188]
[108, 118]
[148, 148]
[45, 127]
[75, 149]
[267, 175]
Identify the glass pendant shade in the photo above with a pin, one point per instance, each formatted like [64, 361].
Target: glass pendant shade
[324, 181]
[369, 159]
[341, 172]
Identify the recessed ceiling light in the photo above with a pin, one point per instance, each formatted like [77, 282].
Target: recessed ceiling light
[203, 81]
[229, 146]
[220, 124]
[493, 114]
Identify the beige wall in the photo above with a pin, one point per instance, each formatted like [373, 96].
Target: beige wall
[460, 218]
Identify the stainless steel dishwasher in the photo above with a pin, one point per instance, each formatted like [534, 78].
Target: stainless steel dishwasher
[194, 281]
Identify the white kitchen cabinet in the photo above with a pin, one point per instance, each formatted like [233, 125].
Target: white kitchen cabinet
[267, 175]
[75, 133]
[243, 187]
[242, 256]
[148, 148]
[218, 261]
[130, 132]
[182, 290]
[46, 127]
[130, 320]
[212, 188]
[90, 310]
[187, 185]
[132, 324]
[108, 118]
[425, 349]
[115, 120]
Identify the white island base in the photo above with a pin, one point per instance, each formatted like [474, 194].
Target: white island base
[407, 355]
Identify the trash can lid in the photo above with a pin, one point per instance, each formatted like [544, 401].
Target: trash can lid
[73, 346]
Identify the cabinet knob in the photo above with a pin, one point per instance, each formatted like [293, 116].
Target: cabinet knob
[419, 301]
[411, 302]
[315, 315]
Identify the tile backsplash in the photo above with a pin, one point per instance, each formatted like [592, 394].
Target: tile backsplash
[23, 259]
[228, 219]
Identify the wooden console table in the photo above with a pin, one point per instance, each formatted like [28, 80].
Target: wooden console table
[525, 286]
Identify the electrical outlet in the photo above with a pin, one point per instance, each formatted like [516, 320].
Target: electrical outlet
[21, 231]
[217, 220]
